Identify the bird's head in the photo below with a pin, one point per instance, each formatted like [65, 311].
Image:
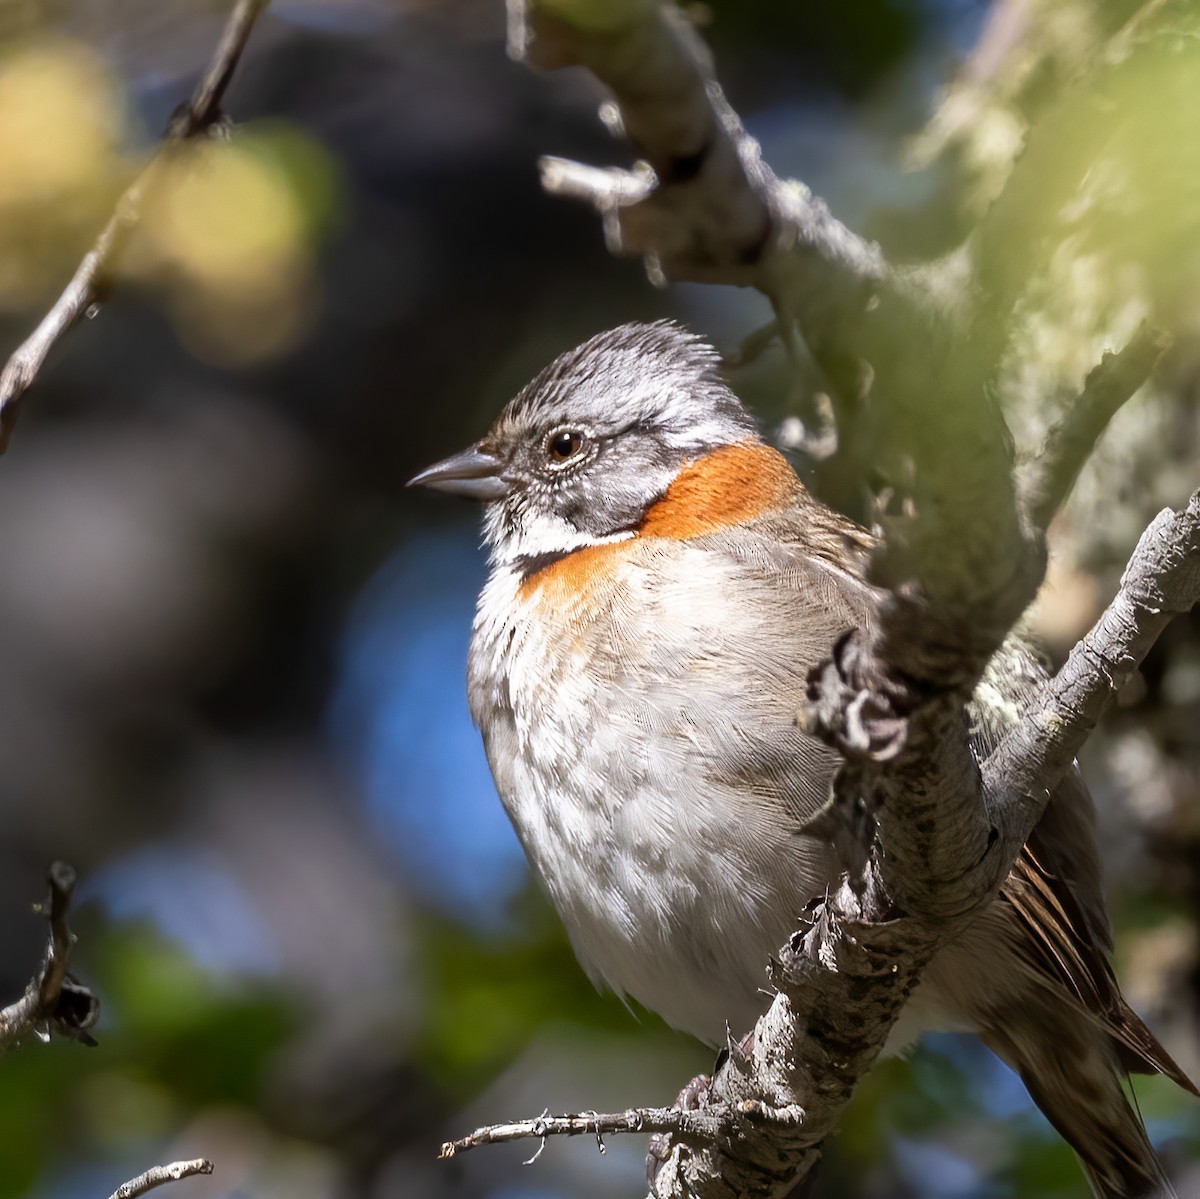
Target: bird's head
[585, 451]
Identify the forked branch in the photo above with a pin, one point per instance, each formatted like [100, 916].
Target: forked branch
[703, 205]
[1161, 581]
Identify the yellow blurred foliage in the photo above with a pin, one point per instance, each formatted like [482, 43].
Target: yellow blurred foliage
[227, 235]
[223, 216]
[227, 227]
[56, 117]
[61, 120]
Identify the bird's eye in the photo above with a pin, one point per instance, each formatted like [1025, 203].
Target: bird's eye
[564, 445]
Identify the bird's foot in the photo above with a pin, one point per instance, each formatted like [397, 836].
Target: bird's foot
[693, 1097]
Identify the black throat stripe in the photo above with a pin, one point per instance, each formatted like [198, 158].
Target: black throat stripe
[530, 564]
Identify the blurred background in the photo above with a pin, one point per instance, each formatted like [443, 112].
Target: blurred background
[233, 645]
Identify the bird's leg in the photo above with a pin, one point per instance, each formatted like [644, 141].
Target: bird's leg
[694, 1096]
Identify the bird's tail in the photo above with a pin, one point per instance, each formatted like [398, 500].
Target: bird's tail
[1072, 1069]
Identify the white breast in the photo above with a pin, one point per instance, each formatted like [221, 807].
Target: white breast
[648, 758]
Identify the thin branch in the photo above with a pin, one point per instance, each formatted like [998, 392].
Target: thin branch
[754, 344]
[1161, 581]
[696, 1125]
[204, 107]
[53, 1001]
[1070, 442]
[158, 1176]
[88, 286]
[608, 188]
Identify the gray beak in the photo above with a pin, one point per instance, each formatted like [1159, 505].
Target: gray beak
[474, 473]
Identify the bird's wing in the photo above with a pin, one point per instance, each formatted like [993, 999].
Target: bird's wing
[1055, 889]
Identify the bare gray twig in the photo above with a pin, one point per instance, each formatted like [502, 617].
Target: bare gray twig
[158, 1176]
[52, 1001]
[754, 344]
[88, 285]
[1109, 385]
[699, 1125]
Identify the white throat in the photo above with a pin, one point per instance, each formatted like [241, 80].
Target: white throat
[538, 535]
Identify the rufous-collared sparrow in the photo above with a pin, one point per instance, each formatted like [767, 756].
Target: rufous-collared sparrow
[661, 584]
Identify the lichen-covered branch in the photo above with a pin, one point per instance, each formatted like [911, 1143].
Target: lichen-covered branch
[53, 1001]
[158, 1176]
[88, 286]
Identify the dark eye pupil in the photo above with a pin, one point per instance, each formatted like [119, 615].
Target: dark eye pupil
[565, 445]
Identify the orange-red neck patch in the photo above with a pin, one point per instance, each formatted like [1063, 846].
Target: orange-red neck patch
[568, 580]
[730, 486]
